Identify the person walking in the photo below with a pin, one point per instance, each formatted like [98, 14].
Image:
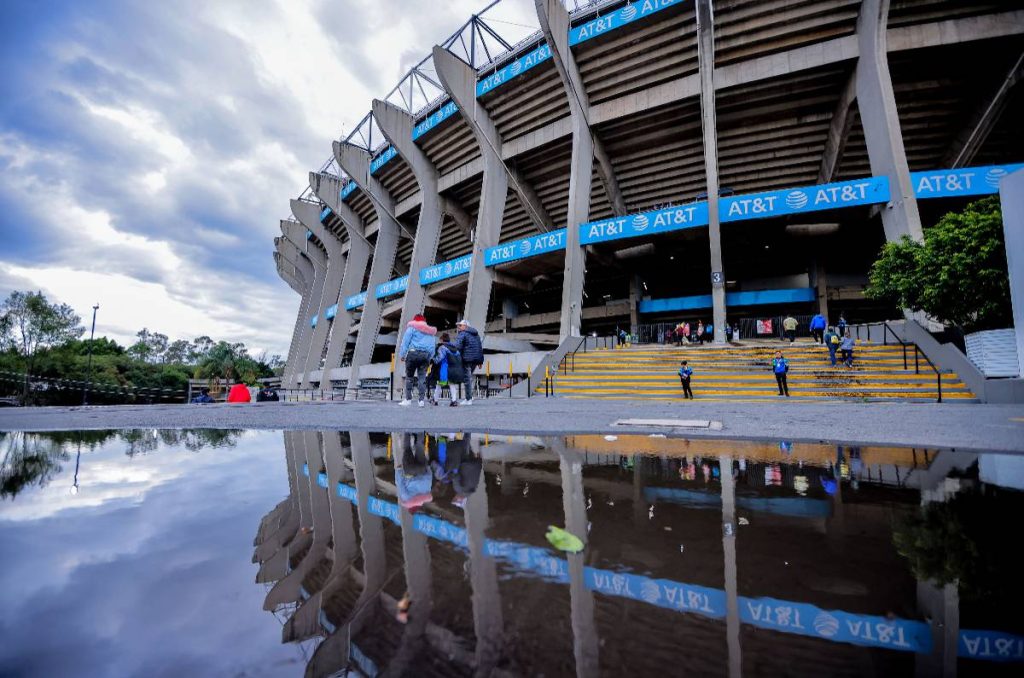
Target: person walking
[846, 347]
[670, 335]
[818, 324]
[709, 333]
[736, 332]
[416, 350]
[471, 348]
[685, 372]
[780, 366]
[841, 325]
[728, 332]
[700, 331]
[448, 368]
[789, 325]
[832, 341]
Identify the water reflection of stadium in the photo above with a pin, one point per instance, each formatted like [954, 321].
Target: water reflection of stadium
[786, 562]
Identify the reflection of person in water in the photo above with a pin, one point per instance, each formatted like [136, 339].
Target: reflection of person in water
[412, 475]
[454, 463]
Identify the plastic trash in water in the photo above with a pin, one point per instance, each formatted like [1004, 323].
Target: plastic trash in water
[564, 540]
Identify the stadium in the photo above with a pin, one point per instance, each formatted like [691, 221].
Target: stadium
[563, 184]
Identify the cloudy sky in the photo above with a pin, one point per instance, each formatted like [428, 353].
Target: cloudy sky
[148, 150]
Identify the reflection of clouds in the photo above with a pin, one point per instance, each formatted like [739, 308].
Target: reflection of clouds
[122, 586]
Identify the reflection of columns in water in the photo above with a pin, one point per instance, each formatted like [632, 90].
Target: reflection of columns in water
[483, 573]
[940, 605]
[584, 630]
[416, 554]
[732, 610]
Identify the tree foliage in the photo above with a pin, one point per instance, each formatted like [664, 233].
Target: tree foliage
[957, 275]
[30, 322]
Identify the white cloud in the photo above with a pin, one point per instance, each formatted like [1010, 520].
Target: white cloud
[149, 175]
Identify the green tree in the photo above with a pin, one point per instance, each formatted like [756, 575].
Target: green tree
[177, 352]
[29, 322]
[957, 275]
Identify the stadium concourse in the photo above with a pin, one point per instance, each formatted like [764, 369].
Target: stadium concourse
[635, 163]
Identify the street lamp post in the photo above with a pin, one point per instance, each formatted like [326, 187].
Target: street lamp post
[92, 334]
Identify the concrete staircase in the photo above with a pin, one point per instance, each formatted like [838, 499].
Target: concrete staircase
[743, 372]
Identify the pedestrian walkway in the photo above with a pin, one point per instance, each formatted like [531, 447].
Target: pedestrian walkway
[743, 372]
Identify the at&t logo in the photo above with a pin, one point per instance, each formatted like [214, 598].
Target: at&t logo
[640, 222]
[994, 175]
[628, 13]
[826, 625]
[517, 67]
[525, 247]
[796, 199]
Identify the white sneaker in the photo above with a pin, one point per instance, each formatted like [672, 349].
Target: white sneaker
[405, 403]
[422, 403]
[465, 402]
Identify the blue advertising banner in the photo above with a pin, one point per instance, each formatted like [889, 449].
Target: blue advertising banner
[305, 470]
[807, 199]
[441, 530]
[355, 301]
[835, 625]
[321, 479]
[434, 119]
[309, 234]
[381, 159]
[392, 287]
[955, 182]
[661, 592]
[991, 646]
[331, 312]
[384, 509]
[617, 19]
[348, 492]
[324, 214]
[512, 69]
[529, 559]
[527, 247]
[312, 321]
[645, 223]
[445, 270]
[347, 190]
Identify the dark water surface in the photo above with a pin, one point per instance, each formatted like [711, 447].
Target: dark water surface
[134, 553]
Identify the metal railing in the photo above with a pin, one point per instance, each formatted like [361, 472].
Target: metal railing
[888, 331]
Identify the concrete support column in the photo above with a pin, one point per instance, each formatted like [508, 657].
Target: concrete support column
[706, 61]
[356, 163]
[327, 188]
[821, 285]
[1011, 194]
[459, 81]
[302, 270]
[880, 119]
[300, 288]
[635, 295]
[397, 126]
[309, 215]
[296, 234]
[554, 22]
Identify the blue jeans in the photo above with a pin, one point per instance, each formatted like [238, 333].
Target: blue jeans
[416, 366]
[832, 353]
[468, 378]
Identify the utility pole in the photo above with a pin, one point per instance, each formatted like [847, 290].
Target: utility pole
[92, 334]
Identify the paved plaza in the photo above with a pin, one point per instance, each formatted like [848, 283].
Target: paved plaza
[947, 425]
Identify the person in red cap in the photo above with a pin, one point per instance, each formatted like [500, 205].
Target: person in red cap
[416, 349]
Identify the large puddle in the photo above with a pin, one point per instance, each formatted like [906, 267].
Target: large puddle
[134, 553]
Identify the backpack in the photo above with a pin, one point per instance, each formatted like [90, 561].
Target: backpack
[835, 339]
[456, 371]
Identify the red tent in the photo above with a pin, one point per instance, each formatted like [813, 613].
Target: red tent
[239, 394]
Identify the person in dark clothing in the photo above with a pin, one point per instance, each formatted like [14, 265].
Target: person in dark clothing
[454, 463]
[447, 366]
[470, 346]
[267, 395]
[841, 325]
[780, 366]
[203, 397]
[685, 372]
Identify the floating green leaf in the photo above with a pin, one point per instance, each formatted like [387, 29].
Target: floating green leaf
[563, 540]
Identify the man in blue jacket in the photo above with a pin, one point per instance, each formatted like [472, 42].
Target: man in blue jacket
[416, 350]
[469, 345]
[818, 325]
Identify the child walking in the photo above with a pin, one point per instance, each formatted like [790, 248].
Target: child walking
[685, 373]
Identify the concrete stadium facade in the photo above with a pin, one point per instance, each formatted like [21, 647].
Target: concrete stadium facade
[561, 188]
